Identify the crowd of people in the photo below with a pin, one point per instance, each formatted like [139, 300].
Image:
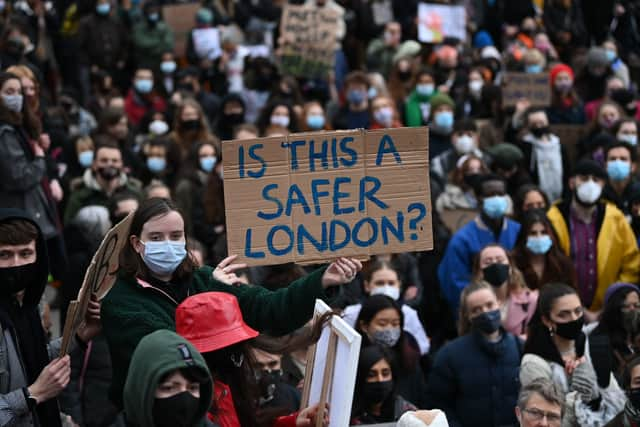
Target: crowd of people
[526, 315]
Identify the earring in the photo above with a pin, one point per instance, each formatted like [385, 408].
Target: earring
[550, 331]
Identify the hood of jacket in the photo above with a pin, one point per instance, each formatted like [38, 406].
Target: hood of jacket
[90, 181]
[34, 290]
[158, 354]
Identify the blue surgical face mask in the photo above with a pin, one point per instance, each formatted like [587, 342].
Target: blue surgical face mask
[168, 67]
[372, 93]
[156, 164]
[425, 89]
[539, 245]
[315, 121]
[629, 138]
[611, 55]
[618, 170]
[384, 116]
[144, 85]
[356, 97]
[165, 256]
[495, 207]
[103, 9]
[85, 158]
[444, 120]
[208, 163]
[533, 69]
[280, 121]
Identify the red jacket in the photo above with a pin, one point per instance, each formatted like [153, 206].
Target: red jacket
[226, 415]
[136, 107]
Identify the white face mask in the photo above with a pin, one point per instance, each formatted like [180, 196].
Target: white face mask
[158, 127]
[390, 291]
[589, 192]
[475, 86]
[280, 121]
[464, 144]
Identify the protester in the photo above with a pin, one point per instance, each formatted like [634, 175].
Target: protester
[585, 228]
[381, 322]
[168, 384]
[490, 226]
[484, 357]
[540, 400]
[155, 260]
[558, 350]
[376, 396]
[538, 255]
[517, 302]
[631, 384]
[529, 197]
[621, 168]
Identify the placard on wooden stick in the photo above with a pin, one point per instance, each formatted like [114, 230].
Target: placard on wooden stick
[534, 87]
[313, 197]
[332, 365]
[98, 279]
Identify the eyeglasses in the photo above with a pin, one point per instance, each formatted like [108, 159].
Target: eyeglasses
[538, 415]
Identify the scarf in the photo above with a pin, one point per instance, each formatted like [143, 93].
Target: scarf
[546, 160]
[26, 328]
[631, 415]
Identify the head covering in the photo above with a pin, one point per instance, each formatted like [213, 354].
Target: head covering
[157, 355]
[597, 57]
[24, 321]
[505, 155]
[421, 419]
[589, 167]
[440, 99]
[557, 69]
[482, 39]
[490, 52]
[204, 16]
[407, 50]
[616, 287]
[211, 321]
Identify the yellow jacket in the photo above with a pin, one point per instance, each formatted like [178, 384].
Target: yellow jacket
[618, 255]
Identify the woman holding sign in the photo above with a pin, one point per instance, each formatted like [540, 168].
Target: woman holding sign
[156, 275]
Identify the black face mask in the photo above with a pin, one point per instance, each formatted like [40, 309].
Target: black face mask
[496, 274]
[191, 125]
[15, 279]
[15, 47]
[631, 321]
[186, 87]
[109, 173]
[570, 330]
[472, 179]
[404, 75]
[268, 383]
[488, 322]
[540, 132]
[634, 398]
[234, 118]
[377, 392]
[178, 410]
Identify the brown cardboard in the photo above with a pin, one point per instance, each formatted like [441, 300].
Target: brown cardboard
[534, 87]
[99, 277]
[308, 39]
[181, 18]
[569, 136]
[345, 203]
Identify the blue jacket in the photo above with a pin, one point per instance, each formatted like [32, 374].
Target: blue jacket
[476, 382]
[454, 271]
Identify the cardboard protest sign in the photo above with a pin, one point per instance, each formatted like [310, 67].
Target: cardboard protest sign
[569, 136]
[437, 21]
[332, 367]
[181, 19]
[308, 40]
[313, 197]
[98, 279]
[455, 219]
[534, 87]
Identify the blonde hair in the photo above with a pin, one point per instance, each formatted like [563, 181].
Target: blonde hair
[464, 321]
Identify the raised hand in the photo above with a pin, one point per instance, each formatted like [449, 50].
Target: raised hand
[225, 271]
[341, 271]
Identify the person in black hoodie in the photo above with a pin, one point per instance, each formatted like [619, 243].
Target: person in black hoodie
[232, 113]
[31, 375]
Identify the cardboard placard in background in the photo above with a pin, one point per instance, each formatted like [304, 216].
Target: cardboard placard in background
[569, 136]
[313, 197]
[308, 40]
[455, 219]
[332, 365]
[534, 87]
[98, 279]
[437, 21]
[181, 18]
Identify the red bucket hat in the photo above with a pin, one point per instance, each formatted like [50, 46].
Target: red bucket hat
[211, 321]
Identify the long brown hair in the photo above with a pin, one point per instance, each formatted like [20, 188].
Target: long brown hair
[26, 119]
[131, 263]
